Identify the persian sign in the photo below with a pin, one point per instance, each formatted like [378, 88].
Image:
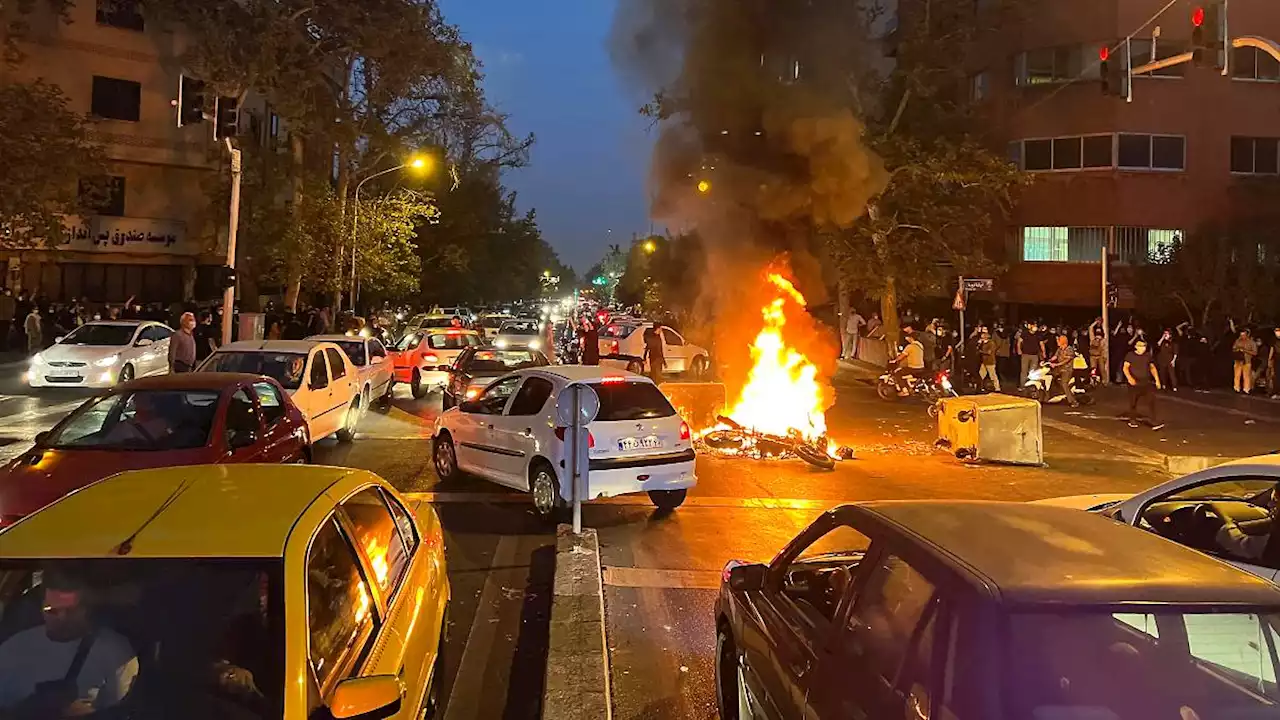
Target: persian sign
[102, 234]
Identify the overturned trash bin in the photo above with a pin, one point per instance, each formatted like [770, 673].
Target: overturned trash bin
[993, 428]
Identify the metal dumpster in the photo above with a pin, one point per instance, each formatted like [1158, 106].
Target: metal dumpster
[994, 428]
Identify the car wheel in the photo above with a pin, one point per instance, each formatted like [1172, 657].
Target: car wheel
[667, 499]
[126, 374]
[416, 385]
[545, 487]
[728, 678]
[433, 703]
[390, 395]
[348, 431]
[445, 457]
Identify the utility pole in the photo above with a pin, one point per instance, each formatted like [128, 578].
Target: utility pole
[1106, 316]
[229, 294]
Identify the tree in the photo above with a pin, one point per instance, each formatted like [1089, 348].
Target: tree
[48, 164]
[1214, 272]
[387, 260]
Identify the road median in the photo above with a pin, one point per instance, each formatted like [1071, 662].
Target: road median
[577, 680]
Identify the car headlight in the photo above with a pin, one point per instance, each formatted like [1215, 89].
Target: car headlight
[499, 343]
[535, 344]
[37, 358]
[107, 361]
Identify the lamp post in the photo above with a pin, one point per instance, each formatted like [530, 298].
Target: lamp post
[229, 293]
[417, 163]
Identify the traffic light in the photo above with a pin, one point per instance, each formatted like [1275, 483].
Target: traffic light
[599, 280]
[190, 101]
[227, 277]
[1208, 34]
[1113, 295]
[1104, 69]
[226, 112]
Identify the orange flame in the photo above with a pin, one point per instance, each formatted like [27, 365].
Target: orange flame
[784, 390]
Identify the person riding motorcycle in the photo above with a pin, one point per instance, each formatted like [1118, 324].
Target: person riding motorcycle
[1062, 365]
[909, 362]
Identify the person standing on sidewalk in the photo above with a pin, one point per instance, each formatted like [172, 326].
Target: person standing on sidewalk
[987, 360]
[1243, 351]
[1167, 360]
[1029, 348]
[182, 345]
[654, 352]
[1273, 367]
[853, 331]
[34, 331]
[207, 336]
[1140, 372]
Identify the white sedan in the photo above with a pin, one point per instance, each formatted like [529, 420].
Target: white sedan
[509, 435]
[373, 367]
[520, 333]
[622, 345]
[103, 353]
[1190, 509]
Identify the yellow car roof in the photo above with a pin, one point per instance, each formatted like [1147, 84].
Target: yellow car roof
[223, 511]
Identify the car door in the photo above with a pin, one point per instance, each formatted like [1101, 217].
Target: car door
[344, 381]
[318, 398]
[795, 615]
[377, 354]
[516, 431]
[242, 422]
[674, 351]
[161, 336]
[474, 439]
[279, 443]
[142, 353]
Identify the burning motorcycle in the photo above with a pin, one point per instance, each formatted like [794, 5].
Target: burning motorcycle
[925, 384]
[1042, 386]
[734, 439]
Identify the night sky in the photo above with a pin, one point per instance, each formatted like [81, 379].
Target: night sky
[547, 66]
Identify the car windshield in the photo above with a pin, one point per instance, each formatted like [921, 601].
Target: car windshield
[285, 367]
[1167, 663]
[355, 351]
[629, 400]
[179, 638]
[1235, 489]
[139, 420]
[437, 322]
[408, 342]
[113, 335]
[450, 341]
[493, 322]
[500, 361]
[518, 328]
[618, 331]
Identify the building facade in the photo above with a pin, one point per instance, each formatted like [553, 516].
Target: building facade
[1131, 175]
[157, 238]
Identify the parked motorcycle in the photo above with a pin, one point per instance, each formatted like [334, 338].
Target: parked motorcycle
[1043, 387]
[930, 386]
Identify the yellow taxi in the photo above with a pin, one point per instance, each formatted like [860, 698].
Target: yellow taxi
[248, 591]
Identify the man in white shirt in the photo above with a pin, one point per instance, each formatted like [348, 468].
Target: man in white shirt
[853, 331]
[65, 667]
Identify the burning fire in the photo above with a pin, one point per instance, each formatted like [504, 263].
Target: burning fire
[783, 392]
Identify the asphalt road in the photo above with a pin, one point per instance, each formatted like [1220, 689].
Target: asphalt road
[660, 570]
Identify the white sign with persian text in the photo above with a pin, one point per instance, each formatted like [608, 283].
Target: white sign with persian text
[125, 235]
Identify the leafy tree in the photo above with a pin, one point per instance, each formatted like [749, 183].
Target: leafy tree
[387, 260]
[1214, 272]
[48, 162]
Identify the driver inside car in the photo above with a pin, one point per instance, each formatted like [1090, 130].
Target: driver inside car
[1248, 540]
[149, 422]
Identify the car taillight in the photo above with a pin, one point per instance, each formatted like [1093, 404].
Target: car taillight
[562, 431]
[684, 431]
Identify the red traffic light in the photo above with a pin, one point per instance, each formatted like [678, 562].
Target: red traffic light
[1197, 17]
[1104, 52]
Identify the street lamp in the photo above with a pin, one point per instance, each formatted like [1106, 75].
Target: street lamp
[704, 186]
[649, 246]
[417, 162]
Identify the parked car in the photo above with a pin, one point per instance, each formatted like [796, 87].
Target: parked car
[374, 369]
[422, 357]
[254, 591]
[183, 419]
[510, 435]
[318, 376]
[1190, 510]
[101, 354]
[622, 345]
[999, 611]
[475, 368]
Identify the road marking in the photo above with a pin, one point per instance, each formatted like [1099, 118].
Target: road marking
[1260, 417]
[1106, 440]
[760, 503]
[631, 577]
[484, 632]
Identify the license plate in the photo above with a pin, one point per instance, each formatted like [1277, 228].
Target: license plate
[644, 443]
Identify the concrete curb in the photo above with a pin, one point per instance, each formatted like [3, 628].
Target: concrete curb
[1173, 464]
[577, 680]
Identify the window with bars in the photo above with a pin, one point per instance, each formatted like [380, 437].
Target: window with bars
[1141, 245]
[1255, 156]
[1063, 244]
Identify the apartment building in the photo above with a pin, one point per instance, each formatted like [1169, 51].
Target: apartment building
[157, 237]
[1188, 148]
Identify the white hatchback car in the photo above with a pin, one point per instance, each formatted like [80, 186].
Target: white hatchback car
[509, 435]
[374, 368]
[622, 345]
[318, 376]
[100, 354]
[1187, 510]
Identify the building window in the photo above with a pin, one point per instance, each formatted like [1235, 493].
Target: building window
[121, 14]
[1063, 244]
[105, 196]
[116, 99]
[978, 86]
[1075, 152]
[1140, 245]
[1255, 156]
[1250, 63]
[1151, 152]
[1141, 55]
[1043, 66]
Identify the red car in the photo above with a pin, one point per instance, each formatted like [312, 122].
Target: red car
[184, 419]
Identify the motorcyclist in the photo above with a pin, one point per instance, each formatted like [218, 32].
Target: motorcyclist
[1061, 365]
[910, 361]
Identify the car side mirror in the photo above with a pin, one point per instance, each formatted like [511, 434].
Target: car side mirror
[59, 338]
[746, 578]
[469, 406]
[144, 342]
[367, 698]
[242, 439]
[41, 437]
